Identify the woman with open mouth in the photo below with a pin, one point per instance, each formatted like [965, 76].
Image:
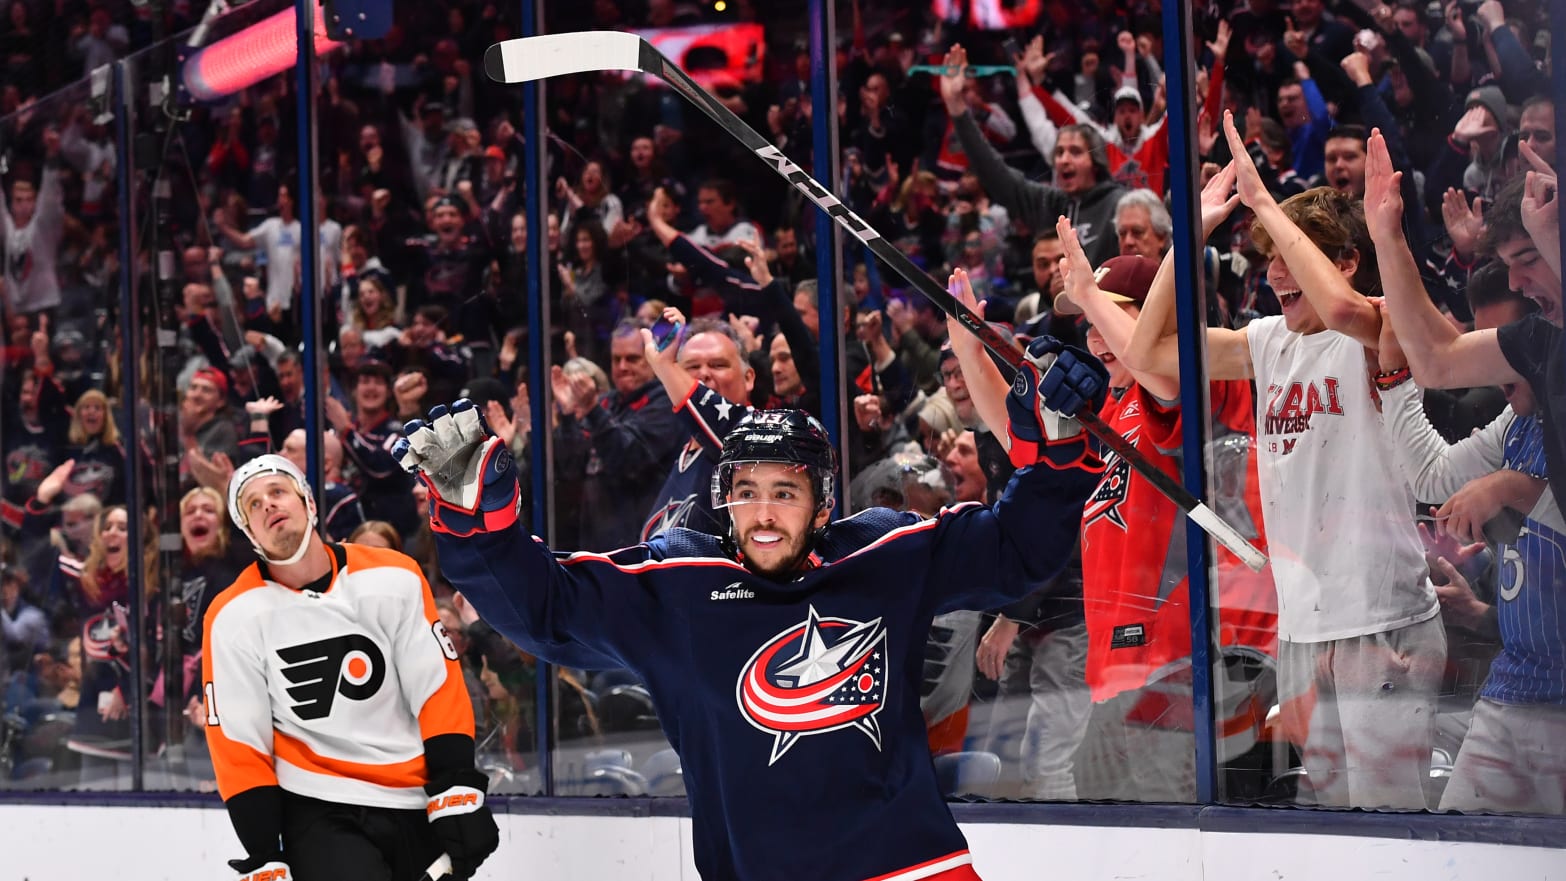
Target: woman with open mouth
[102, 594]
[96, 450]
[104, 578]
[210, 559]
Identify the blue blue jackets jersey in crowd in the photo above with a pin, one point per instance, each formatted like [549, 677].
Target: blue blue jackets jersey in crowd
[794, 705]
[1530, 593]
[686, 497]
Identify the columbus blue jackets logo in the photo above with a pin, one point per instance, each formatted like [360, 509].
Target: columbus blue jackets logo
[677, 512]
[350, 665]
[825, 674]
[1111, 492]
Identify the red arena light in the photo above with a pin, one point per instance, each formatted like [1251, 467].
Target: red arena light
[265, 48]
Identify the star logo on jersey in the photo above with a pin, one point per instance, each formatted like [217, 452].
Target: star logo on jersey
[1112, 488]
[350, 665]
[822, 675]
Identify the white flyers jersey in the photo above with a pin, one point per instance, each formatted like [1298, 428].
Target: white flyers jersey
[331, 695]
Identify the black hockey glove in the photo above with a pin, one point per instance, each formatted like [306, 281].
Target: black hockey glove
[461, 821]
[266, 868]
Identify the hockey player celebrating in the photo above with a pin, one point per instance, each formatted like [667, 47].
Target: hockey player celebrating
[785, 657]
[339, 725]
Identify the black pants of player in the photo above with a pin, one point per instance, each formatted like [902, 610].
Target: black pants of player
[324, 841]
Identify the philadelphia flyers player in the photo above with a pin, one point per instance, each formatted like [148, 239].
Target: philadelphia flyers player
[785, 657]
[339, 725]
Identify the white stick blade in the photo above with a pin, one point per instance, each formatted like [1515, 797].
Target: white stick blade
[1229, 537]
[438, 869]
[535, 58]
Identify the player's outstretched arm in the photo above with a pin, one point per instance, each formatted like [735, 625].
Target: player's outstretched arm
[986, 557]
[548, 607]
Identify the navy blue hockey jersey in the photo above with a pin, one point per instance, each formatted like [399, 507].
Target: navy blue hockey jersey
[686, 497]
[1530, 592]
[794, 705]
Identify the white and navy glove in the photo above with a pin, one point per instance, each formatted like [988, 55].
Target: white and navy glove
[265, 868]
[470, 474]
[1053, 385]
[462, 824]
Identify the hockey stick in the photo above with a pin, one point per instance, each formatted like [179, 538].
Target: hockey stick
[438, 869]
[533, 58]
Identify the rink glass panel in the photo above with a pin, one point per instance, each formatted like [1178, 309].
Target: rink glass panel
[69, 701]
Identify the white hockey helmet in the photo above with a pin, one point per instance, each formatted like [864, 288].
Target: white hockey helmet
[260, 466]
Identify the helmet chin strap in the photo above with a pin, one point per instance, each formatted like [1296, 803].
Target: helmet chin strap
[296, 556]
[299, 552]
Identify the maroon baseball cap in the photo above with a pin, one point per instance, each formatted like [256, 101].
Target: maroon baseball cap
[1124, 279]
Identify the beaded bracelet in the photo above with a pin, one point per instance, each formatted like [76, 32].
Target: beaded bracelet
[1387, 380]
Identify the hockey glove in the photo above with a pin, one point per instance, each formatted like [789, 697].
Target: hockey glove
[267, 868]
[1053, 385]
[470, 474]
[462, 824]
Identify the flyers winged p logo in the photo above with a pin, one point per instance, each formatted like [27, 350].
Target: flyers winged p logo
[350, 665]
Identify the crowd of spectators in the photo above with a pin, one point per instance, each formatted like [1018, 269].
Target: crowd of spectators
[964, 158]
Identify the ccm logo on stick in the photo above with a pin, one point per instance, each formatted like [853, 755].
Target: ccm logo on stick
[817, 194]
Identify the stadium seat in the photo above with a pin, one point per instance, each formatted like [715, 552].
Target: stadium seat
[626, 708]
[604, 680]
[664, 774]
[45, 737]
[966, 773]
[611, 780]
[606, 758]
[579, 722]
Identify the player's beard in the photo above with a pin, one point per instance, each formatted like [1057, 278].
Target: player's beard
[284, 542]
[779, 559]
